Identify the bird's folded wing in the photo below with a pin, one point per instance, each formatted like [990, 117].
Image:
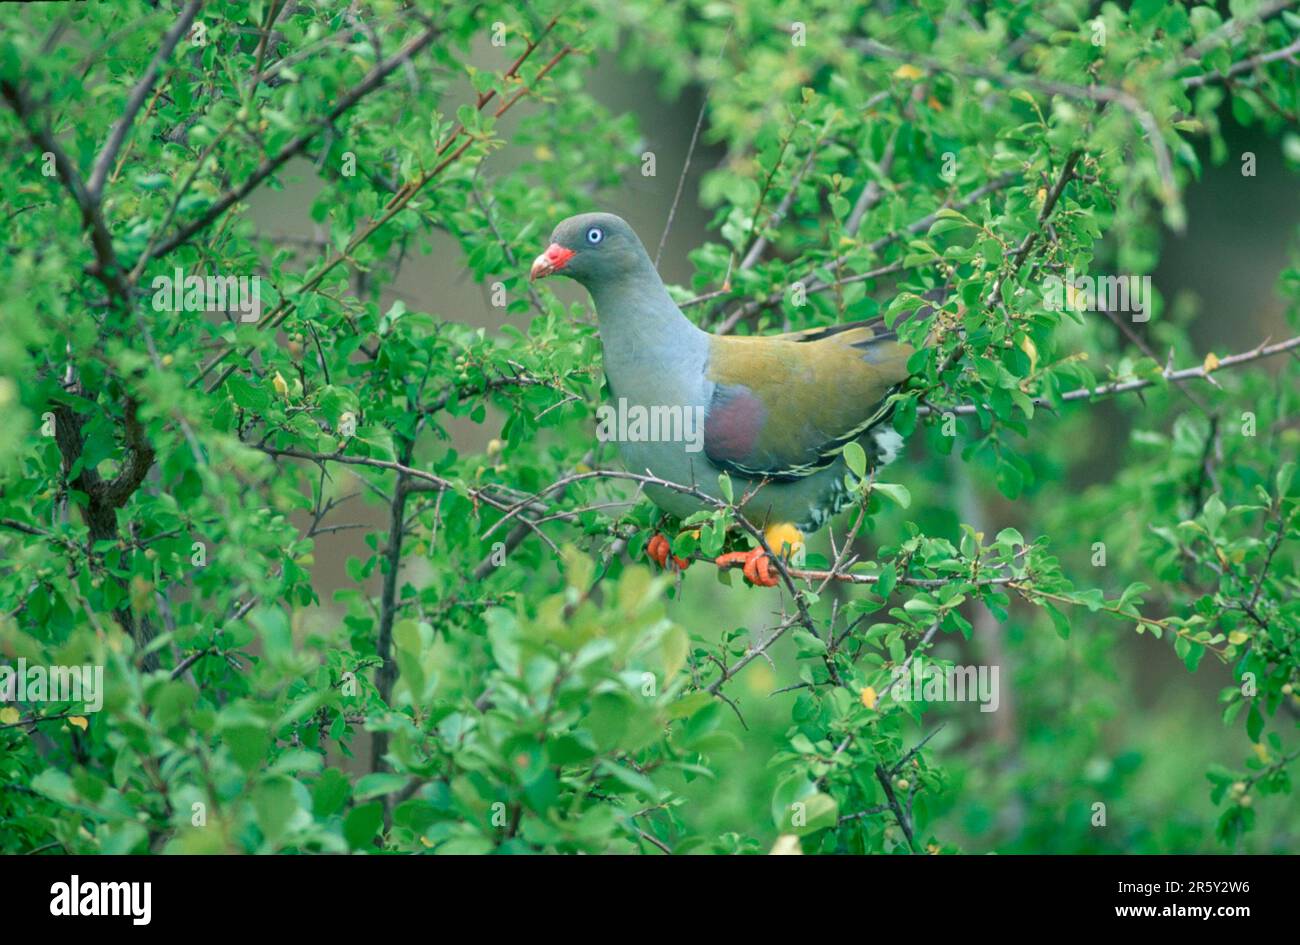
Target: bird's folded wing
[785, 406]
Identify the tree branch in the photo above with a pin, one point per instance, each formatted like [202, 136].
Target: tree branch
[753, 307]
[269, 166]
[105, 268]
[1123, 387]
[134, 102]
[1246, 65]
[395, 205]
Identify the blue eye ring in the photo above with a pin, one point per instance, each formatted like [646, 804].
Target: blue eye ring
[594, 235]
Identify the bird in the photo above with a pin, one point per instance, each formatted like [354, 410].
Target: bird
[774, 412]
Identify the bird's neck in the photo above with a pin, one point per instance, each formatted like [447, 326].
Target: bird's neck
[646, 339]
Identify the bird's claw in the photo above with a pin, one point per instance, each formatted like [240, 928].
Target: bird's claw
[658, 548]
[755, 565]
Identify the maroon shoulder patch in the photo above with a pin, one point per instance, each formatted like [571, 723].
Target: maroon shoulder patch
[733, 424]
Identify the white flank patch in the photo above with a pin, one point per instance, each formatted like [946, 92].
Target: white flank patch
[888, 444]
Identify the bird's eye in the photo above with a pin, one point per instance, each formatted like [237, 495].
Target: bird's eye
[595, 235]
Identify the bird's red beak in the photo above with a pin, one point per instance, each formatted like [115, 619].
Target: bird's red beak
[553, 260]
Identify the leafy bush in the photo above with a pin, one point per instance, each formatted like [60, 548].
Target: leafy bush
[501, 670]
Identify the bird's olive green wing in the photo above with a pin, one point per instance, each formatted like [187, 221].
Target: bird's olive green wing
[785, 406]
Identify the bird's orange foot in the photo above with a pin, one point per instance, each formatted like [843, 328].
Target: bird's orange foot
[756, 566]
[784, 539]
[658, 548]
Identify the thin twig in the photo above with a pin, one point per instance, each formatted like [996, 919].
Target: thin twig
[690, 152]
[1123, 387]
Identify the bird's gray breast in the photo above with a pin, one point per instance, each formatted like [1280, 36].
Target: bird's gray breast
[658, 397]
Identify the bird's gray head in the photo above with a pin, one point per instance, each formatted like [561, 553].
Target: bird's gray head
[592, 248]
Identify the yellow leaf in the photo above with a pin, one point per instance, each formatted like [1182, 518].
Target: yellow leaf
[1211, 362]
[141, 592]
[908, 71]
[1041, 196]
[674, 649]
[279, 384]
[8, 715]
[762, 680]
[1237, 637]
[79, 721]
[426, 842]
[786, 845]
[1031, 351]
[1074, 299]
[869, 697]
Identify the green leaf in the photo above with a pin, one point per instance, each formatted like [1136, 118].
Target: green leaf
[894, 491]
[888, 578]
[810, 813]
[1213, 513]
[856, 459]
[631, 779]
[1285, 475]
[1254, 722]
[378, 784]
[330, 793]
[248, 744]
[275, 803]
[362, 823]
[809, 644]
[1059, 621]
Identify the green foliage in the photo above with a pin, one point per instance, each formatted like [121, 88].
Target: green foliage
[500, 671]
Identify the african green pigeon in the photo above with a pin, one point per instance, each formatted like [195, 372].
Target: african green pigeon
[775, 410]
